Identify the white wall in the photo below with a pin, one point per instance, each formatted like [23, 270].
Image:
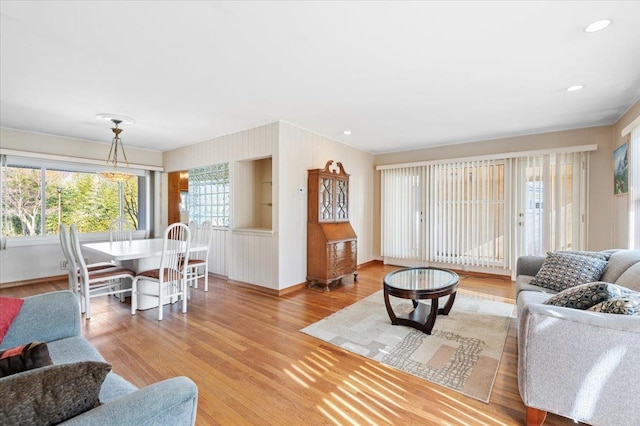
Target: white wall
[621, 202]
[600, 221]
[248, 257]
[279, 260]
[301, 150]
[41, 256]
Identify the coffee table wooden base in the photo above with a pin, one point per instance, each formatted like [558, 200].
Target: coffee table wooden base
[423, 317]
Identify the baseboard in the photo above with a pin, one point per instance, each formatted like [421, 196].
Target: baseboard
[33, 281]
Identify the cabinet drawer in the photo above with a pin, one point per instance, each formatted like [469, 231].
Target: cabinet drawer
[339, 249]
[348, 262]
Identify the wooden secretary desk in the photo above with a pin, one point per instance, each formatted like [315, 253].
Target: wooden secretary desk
[331, 241]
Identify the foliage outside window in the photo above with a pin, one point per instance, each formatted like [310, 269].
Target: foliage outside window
[36, 199]
[209, 195]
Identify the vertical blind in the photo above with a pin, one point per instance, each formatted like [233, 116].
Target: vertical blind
[484, 212]
[449, 213]
[551, 198]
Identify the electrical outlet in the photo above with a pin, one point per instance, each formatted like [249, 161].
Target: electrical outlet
[64, 265]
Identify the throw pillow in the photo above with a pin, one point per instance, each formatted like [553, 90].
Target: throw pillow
[23, 358]
[596, 254]
[52, 394]
[9, 309]
[560, 271]
[625, 305]
[587, 295]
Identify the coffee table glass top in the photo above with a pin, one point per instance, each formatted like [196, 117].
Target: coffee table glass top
[421, 279]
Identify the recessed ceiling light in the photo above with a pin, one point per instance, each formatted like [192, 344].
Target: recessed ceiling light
[598, 25]
[110, 117]
[575, 88]
[347, 132]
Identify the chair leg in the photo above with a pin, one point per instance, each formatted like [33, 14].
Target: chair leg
[535, 417]
[184, 285]
[194, 276]
[134, 297]
[160, 300]
[206, 276]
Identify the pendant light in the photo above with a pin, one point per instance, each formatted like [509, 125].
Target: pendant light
[114, 174]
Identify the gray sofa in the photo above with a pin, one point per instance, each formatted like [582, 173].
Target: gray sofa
[55, 318]
[576, 363]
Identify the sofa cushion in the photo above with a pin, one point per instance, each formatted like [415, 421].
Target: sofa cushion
[523, 283]
[587, 295]
[619, 262]
[75, 349]
[52, 394]
[625, 305]
[630, 278]
[24, 358]
[560, 271]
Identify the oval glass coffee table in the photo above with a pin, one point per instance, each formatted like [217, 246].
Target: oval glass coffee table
[417, 284]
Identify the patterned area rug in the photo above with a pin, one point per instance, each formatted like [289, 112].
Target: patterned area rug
[462, 353]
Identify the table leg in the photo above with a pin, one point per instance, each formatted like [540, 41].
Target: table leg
[431, 319]
[392, 315]
[448, 305]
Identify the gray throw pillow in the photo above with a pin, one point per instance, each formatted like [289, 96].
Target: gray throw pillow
[624, 305]
[52, 394]
[596, 254]
[587, 295]
[560, 271]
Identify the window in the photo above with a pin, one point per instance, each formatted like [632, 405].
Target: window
[37, 196]
[208, 198]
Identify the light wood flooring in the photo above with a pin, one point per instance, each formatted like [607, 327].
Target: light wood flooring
[252, 365]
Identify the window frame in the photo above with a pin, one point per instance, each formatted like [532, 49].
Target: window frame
[45, 164]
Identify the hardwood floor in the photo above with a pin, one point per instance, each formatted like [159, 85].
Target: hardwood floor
[253, 366]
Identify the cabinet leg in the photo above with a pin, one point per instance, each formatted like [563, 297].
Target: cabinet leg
[355, 276]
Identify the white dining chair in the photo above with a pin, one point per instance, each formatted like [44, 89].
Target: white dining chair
[193, 228]
[98, 282]
[170, 278]
[72, 264]
[120, 230]
[198, 264]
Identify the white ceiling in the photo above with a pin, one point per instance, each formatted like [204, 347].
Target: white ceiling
[399, 75]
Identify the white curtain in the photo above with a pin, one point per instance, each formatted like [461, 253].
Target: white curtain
[634, 189]
[445, 213]
[484, 212]
[401, 212]
[551, 198]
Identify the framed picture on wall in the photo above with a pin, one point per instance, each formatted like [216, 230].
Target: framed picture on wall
[621, 170]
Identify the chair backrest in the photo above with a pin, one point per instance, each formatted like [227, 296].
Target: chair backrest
[77, 252]
[72, 265]
[193, 228]
[120, 230]
[205, 236]
[175, 253]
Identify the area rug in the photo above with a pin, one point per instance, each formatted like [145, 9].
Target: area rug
[462, 353]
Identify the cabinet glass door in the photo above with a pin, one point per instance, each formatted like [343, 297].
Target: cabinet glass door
[342, 199]
[326, 199]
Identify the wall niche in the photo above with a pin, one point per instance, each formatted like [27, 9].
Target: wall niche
[254, 194]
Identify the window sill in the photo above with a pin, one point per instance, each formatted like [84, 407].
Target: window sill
[41, 240]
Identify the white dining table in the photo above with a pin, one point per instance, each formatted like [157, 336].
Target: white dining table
[143, 255]
[134, 249]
